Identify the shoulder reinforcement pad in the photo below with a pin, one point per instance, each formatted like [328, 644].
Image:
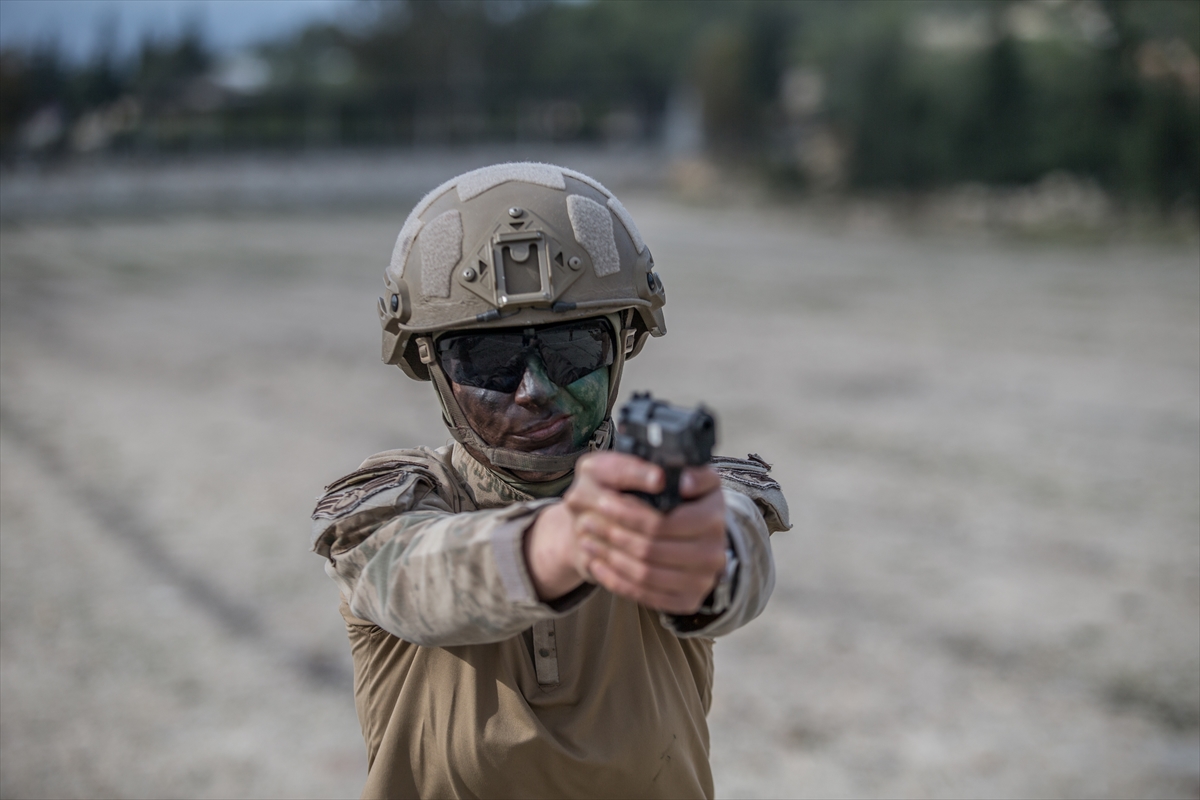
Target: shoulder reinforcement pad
[385, 471]
[387, 484]
[752, 477]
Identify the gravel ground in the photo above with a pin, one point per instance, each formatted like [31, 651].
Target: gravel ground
[991, 450]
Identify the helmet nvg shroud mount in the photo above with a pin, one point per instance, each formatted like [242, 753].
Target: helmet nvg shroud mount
[514, 245]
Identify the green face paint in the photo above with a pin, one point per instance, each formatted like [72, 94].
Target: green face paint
[590, 394]
[541, 416]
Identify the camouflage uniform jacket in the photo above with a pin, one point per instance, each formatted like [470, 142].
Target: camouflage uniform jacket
[467, 685]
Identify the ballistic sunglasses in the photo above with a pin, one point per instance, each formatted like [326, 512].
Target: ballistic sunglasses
[497, 360]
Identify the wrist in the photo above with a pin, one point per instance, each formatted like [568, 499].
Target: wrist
[721, 595]
[548, 557]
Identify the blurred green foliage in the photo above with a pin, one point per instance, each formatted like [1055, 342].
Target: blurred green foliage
[1012, 111]
[894, 94]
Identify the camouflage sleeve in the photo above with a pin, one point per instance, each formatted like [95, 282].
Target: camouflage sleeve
[754, 509]
[406, 557]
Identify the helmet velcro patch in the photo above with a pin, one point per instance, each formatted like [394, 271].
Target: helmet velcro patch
[476, 183]
[593, 227]
[441, 250]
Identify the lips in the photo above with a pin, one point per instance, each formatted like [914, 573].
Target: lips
[545, 430]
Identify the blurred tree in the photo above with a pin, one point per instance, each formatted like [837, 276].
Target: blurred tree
[997, 134]
[33, 83]
[1169, 159]
[738, 65]
[1108, 91]
[164, 68]
[900, 124]
[1151, 119]
[14, 96]
[101, 81]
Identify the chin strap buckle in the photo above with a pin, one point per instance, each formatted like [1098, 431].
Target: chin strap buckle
[630, 339]
[425, 350]
[602, 438]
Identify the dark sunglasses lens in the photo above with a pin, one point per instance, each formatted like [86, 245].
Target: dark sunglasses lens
[570, 353]
[497, 361]
[493, 361]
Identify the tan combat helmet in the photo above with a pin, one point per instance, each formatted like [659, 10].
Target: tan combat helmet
[513, 245]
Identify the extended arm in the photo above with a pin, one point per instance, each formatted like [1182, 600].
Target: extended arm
[417, 564]
[404, 559]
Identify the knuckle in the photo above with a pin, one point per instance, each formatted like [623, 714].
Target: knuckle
[641, 548]
[575, 498]
[626, 542]
[592, 523]
[608, 503]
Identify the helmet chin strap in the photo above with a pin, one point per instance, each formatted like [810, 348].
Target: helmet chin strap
[504, 459]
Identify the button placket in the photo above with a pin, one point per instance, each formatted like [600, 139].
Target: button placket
[545, 652]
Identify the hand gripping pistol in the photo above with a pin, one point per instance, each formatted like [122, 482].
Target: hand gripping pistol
[670, 436]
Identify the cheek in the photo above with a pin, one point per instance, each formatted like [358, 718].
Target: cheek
[591, 394]
[484, 409]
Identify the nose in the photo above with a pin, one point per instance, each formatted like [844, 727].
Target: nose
[536, 387]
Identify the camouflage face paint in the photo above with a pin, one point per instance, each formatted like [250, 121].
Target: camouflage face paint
[540, 416]
[590, 394]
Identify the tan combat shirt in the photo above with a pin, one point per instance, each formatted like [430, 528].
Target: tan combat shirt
[466, 685]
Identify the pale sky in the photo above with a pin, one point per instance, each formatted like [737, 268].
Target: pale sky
[227, 24]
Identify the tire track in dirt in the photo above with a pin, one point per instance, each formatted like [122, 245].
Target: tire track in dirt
[125, 524]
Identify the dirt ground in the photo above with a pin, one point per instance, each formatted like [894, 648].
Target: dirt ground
[991, 450]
